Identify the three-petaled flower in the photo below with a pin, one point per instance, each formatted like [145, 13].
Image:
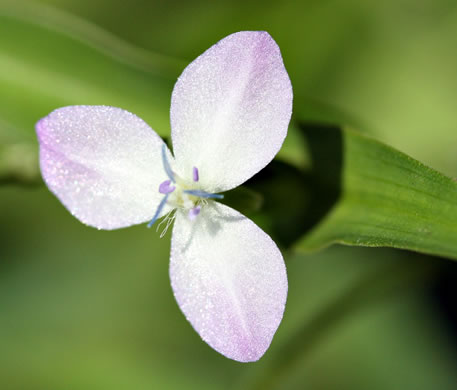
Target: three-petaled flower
[230, 111]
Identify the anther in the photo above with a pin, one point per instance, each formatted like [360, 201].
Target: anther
[193, 212]
[195, 173]
[166, 187]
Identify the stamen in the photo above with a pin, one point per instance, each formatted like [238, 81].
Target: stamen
[204, 194]
[169, 221]
[194, 212]
[166, 164]
[166, 187]
[162, 204]
[195, 173]
[169, 218]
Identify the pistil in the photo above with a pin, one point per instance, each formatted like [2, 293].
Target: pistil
[179, 193]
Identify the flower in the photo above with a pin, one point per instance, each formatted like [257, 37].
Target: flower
[230, 111]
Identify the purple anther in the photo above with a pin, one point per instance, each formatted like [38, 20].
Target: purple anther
[195, 173]
[194, 212]
[166, 187]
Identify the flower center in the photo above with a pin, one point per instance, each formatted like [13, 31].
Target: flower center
[181, 194]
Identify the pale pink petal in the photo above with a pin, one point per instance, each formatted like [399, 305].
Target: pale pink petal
[229, 279]
[103, 163]
[230, 110]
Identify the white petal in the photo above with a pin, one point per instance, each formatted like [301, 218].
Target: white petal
[230, 110]
[229, 279]
[103, 163]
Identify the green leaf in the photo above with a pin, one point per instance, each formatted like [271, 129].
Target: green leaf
[49, 59]
[377, 196]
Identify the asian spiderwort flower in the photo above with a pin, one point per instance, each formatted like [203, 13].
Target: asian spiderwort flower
[230, 110]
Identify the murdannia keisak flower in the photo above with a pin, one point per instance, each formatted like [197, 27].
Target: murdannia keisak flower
[230, 111]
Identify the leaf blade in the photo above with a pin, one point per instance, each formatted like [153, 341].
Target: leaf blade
[387, 199]
[57, 59]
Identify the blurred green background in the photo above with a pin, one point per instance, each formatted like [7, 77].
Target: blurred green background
[87, 309]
